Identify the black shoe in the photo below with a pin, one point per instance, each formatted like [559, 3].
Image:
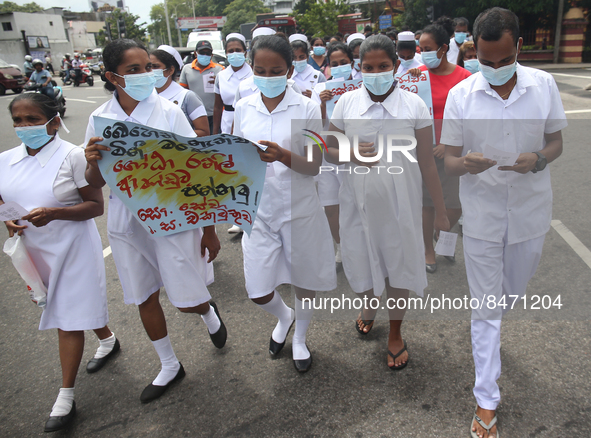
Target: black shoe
[302, 366]
[276, 347]
[219, 337]
[431, 268]
[94, 365]
[451, 258]
[152, 392]
[58, 423]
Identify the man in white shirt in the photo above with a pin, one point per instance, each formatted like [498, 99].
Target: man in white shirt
[507, 209]
[460, 35]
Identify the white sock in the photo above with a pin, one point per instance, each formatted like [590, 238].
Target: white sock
[170, 364]
[63, 404]
[106, 346]
[304, 313]
[211, 321]
[285, 315]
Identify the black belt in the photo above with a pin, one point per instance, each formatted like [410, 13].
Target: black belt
[228, 108]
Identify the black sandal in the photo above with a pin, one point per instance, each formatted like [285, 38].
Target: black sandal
[394, 356]
[365, 323]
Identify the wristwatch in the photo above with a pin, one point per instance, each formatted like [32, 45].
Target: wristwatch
[540, 164]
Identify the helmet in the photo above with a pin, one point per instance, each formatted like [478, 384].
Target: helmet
[68, 55]
[28, 58]
[77, 55]
[37, 61]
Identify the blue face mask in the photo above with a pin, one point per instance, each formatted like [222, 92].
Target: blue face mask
[160, 78]
[378, 83]
[406, 63]
[357, 64]
[271, 86]
[236, 59]
[203, 60]
[341, 72]
[300, 66]
[472, 65]
[499, 76]
[138, 86]
[430, 59]
[417, 43]
[460, 37]
[34, 137]
[319, 50]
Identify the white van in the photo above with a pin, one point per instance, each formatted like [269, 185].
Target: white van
[213, 36]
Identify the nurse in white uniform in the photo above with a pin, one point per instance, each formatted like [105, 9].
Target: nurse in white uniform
[146, 263]
[380, 216]
[354, 41]
[304, 75]
[227, 82]
[166, 65]
[290, 241]
[45, 175]
[406, 51]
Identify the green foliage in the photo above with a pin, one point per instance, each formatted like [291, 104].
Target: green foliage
[7, 7]
[133, 30]
[176, 8]
[320, 19]
[242, 11]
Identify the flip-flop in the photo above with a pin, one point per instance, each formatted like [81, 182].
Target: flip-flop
[394, 356]
[365, 323]
[486, 427]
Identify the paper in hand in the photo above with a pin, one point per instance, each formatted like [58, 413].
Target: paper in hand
[502, 158]
[11, 211]
[446, 244]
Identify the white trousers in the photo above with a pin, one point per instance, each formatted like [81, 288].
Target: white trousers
[498, 270]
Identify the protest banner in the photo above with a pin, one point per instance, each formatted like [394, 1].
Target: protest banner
[420, 85]
[172, 183]
[339, 88]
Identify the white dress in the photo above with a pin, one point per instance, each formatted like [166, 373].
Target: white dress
[180, 96]
[226, 84]
[146, 263]
[307, 79]
[290, 241]
[381, 214]
[67, 254]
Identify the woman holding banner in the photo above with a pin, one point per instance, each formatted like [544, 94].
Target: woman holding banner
[45, 175]
[290, 241]
[380, 212]
[146, 263]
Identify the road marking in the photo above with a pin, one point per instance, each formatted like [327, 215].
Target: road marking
[578, 111]
[572, 240]
[80, 100]
[571, 76]
[106, 252]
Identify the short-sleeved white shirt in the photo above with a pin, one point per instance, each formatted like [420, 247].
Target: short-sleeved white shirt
[497, 201]
[453, 51]
[416, 63]
[307, 79]
[227, 82]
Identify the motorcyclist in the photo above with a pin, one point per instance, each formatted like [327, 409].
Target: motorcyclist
[42, 77]
[28, 65]
[76, 66]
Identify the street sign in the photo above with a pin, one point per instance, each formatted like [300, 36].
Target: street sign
[385, 21]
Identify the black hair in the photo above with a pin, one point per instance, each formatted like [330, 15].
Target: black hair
[48, 106]
[356, 42]
[237, 39]
[339, 47]
[492, 23]
[368, 28]
[460, 21]
[113, 56]
[168, 60]
[339, 36]
[300, 45]
[391, 34]
[274, 43]
[313, 40]
[378, 42]
[441, 31]
[407, 45]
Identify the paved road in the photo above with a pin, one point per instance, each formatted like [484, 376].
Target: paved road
[240, 391]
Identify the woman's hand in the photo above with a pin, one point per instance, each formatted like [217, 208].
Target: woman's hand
[273, 153]
[210, 241]
[441, 222]
[366, 150]
[14, 228]
[326, 95]
[415, 72]
[92, 151]
[40, 216]
[307, 93]
[439, 151]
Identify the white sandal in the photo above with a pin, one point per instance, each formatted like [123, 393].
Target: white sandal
[486, 427]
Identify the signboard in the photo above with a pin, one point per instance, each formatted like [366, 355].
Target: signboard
[385, 21]
[421, 86]
[200, 22]
[172, 183]
[38, 42]
[339, 88]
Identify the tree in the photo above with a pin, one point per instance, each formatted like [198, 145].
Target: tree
[178, 8]
[8, 7]
[321, 18]
[242, 11]
[133, 30]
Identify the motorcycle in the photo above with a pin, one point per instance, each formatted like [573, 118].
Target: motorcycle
[85, 77]
[97, 68]
[57, 91]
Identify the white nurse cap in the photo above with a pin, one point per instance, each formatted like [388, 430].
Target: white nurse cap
[263, 31]
[298, 37]
[172, 51]
[355, 36]
[236, 35]
[406, 36]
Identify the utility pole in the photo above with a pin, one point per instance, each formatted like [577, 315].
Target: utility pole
[558, 30]
[178, 28]
[167, 18]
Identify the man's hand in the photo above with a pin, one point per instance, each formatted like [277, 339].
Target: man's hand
[475, 163]
[525, 163]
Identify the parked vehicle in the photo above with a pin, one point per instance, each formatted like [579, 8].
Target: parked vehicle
[213, 36]
[85, 77]
[57, 90]
[10, 78]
